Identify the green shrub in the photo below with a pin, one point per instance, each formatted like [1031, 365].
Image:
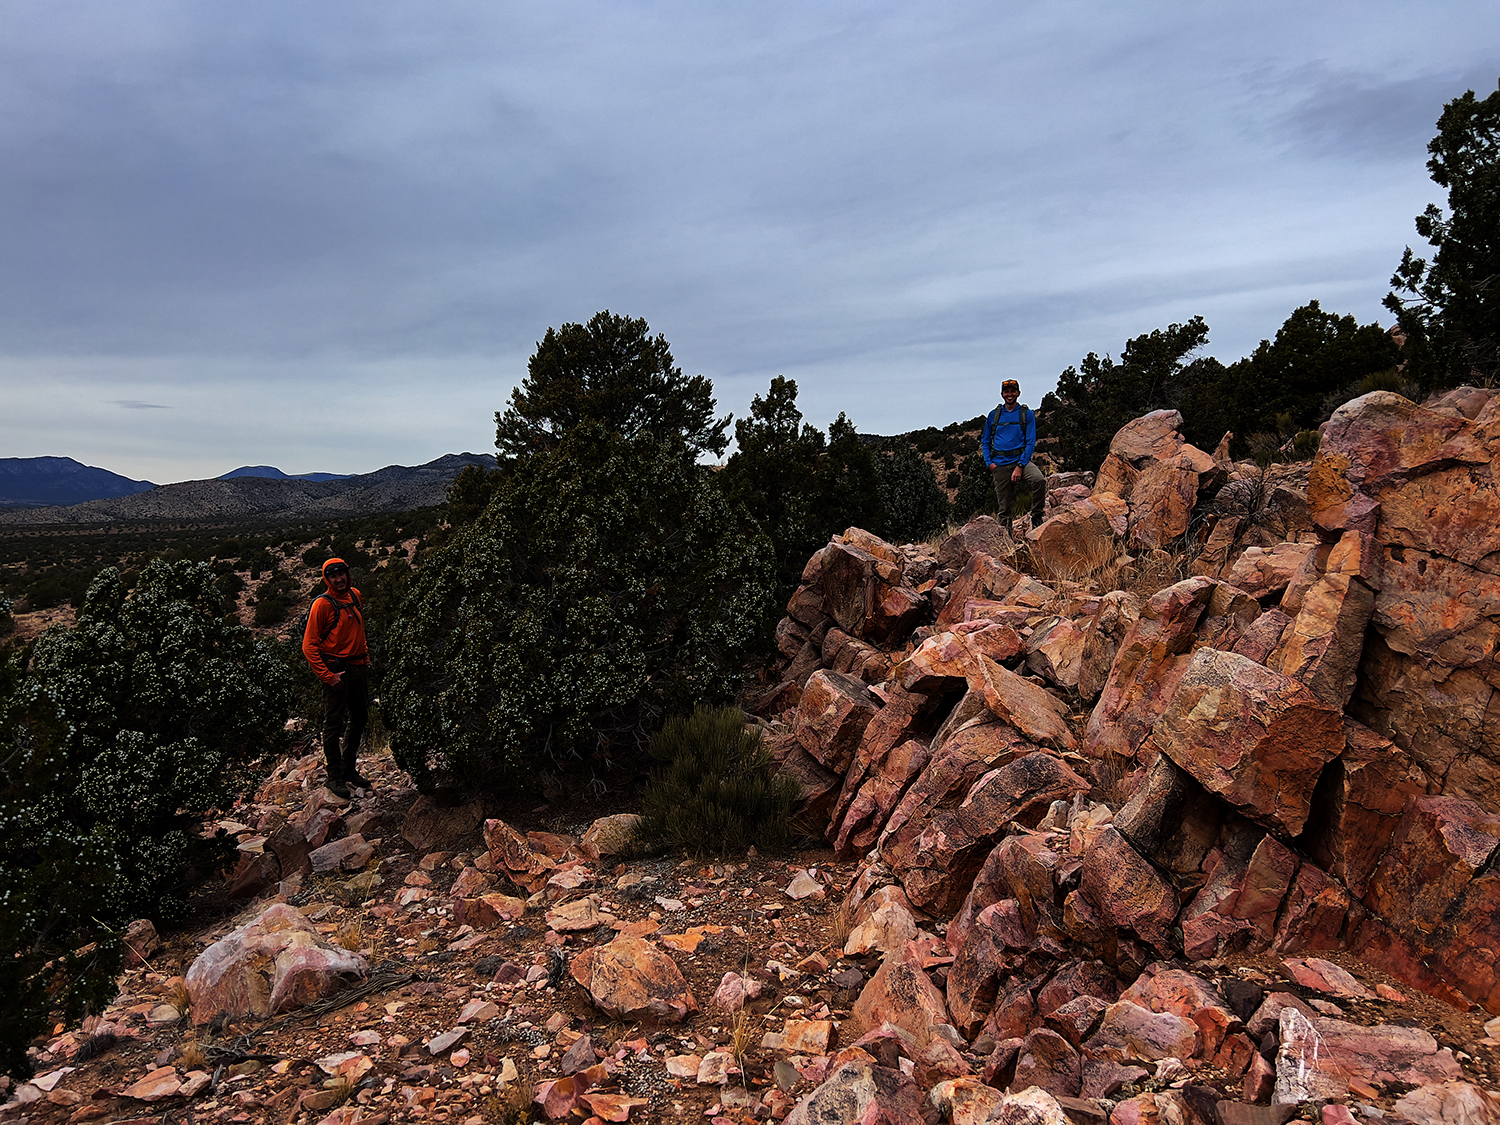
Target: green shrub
[976, 489]
[119, 738]
[913, 505]
[715, 791]
[157, 704]
[607, 583]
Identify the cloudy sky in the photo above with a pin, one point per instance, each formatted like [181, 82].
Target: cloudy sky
[327, 236]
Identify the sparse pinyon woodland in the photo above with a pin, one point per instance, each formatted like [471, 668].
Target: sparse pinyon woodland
[1177, 805]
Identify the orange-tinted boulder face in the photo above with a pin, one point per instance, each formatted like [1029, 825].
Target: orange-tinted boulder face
[832, 717]
[937, 858]
[1440, 844]
[632, 979]
[864, 589]
[1422, 483]
[1149, 661]
[1251, 735]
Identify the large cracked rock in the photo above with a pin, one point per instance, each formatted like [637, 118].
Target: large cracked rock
[1251, 735]
[274, 962]
[937, 858]
[632, 979]
[1422, 484]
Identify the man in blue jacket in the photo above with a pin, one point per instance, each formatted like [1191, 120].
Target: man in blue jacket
[1007, 443]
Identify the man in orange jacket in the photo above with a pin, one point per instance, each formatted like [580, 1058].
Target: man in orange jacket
[334, 644]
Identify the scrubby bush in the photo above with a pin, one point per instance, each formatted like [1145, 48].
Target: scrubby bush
[715, 791]
[976, 489]
[120, 735]
[913, 504]
[605, 585]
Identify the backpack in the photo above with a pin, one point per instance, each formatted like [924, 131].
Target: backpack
[337, 609]
[1027, 415]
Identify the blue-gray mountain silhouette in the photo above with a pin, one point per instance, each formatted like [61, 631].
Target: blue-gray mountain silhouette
[35, 482]
[273, 473]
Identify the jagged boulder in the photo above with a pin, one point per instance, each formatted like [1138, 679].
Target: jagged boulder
[1251, 735]
[632, 979]
[1421, 484]
[273, 962]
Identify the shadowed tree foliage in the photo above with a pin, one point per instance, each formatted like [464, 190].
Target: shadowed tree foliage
[608, 583]
[799, 488]
[1096, 398]
[614, 372]
[848, 485]
[976, 489]
[774, 474]
[1449, 308]
[1287, 384]
[122, 734]
[913, 504]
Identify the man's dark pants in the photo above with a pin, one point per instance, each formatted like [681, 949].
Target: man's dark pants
[1005, 490]
[345, 705]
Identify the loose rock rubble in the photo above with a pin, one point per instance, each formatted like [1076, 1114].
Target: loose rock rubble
[1211, 847]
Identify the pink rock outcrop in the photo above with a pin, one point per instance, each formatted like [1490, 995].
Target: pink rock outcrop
[274, 962]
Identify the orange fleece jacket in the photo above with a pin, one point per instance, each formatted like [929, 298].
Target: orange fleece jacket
[345, 641]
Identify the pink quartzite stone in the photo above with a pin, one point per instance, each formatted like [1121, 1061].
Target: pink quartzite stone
[274, 962]
[1251, 735]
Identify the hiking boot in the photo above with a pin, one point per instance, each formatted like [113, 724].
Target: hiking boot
[359, 781]
[338, 787]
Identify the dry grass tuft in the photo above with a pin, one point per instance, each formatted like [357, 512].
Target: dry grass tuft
[510, 1105]
[178, 997]
[341, 1088]
[1111, 775]
[351, 935]
[192, 1057]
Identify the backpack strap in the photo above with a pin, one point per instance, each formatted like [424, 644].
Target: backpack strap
[333, 624]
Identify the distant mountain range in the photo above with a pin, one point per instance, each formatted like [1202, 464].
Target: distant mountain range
[34, 482]
[273, 473]
[245, 495]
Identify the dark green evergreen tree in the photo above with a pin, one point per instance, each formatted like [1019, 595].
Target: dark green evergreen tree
[1283, 387]
[608, 584]
[913, 504]
[1095, 399]
[774, 473]
[848, 486]
[1449, 309]
[611, 371]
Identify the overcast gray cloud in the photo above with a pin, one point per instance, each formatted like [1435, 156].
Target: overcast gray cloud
[253, 213]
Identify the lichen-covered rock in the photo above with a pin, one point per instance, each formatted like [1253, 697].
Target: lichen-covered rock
[632, 979]
[832, 717]
[936, 859]
[274, 962]
[1148, 663]
[611, 835]
[902, 994]
[1251, 735]
[1127, 890]
[860, 1092]
[1440, 844]
[1423, 485]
